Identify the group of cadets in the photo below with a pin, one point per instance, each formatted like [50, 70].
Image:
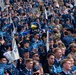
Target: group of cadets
[28, 22]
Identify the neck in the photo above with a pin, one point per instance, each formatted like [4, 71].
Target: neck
[57, 58]
[65, 70]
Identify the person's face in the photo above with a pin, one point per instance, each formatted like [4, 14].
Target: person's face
[37, 20]
[59, 53]
[6, 73]
[74, 49]
[29, 65]
[67, 65]
[51, 59]
[36, 57]
[3, 60]
[52, 19]
[51, 43]
[26, 55]
[67, 22]
[26, 45]
[63, 50]
[37, 36]
[72, 61]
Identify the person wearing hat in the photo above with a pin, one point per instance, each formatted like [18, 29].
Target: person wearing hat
[26, 54]
[35, 38]
[25, 48]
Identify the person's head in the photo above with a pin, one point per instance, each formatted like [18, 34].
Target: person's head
[36, 35]
[50, 58]
[35, 56]
[52, 19]
[71, 59]
[73, 47]
[26, 43]
[57, 21]
[29, 63]
[62, 47]
[58, 53]
[3, 59]
[67, 21]
[44, 35]
[66, 64]
[26, 53]
[37, 20]
[5, 21]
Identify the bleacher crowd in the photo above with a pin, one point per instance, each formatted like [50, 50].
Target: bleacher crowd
[28, 22]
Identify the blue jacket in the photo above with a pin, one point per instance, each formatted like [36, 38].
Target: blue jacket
[26, 72]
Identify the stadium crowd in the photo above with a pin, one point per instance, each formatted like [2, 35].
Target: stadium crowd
[28, 22]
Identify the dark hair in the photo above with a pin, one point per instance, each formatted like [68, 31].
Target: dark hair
[1, 57]
[50, 54]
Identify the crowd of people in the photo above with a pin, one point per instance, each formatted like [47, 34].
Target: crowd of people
[28, 22]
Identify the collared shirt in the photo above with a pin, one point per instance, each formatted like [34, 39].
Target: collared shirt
[67, 73]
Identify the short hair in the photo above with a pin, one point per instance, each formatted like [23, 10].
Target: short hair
[64, 61]
[50, 54]
[56, 49]
[1, 57]
[28, 60]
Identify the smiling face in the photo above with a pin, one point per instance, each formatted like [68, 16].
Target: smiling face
[67, 65]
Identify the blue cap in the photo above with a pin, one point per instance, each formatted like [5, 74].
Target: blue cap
[25, 50]
[25, 41]
[36, 32]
